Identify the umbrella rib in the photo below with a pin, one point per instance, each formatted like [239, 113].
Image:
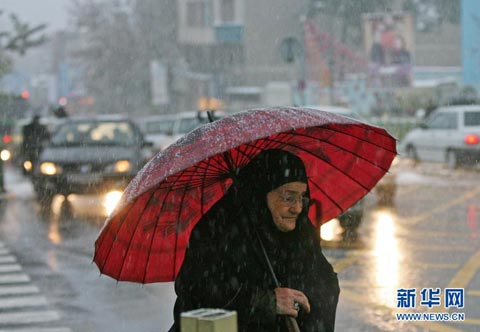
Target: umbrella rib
[311, 153]
[326, 195]
[362, 139]
[203, 187]
[133, 235]
[341, 148]
[180, 184]
[122, 222]
[177, 229]
[153, 235]
[113, 242]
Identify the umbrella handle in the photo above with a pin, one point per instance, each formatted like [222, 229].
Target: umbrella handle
[292, 325]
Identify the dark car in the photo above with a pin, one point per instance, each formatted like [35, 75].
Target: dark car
[91, 155]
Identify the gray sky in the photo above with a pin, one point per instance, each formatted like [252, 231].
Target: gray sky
[52, 12]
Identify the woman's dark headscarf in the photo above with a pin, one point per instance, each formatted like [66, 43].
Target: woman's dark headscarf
[267, 171]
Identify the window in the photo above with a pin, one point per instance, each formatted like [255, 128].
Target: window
[162, 126]
[227, 11]
[188, 124]
[444, 121]
[472, 119]
[198, 13]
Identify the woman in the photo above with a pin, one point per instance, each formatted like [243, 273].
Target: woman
[264, 212]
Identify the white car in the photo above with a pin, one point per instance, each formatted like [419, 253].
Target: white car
[450, 134]
[163, 130]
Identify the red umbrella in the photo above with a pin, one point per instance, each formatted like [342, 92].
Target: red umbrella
[145, 238]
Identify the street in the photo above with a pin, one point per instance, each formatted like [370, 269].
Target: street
[429, 239]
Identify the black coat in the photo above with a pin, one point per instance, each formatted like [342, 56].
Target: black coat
[224, 268]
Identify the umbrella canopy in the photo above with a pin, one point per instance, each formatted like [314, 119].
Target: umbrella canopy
[144, 240]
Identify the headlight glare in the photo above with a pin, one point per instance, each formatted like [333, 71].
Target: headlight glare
[5, 154]
[122, 166]
[49, 168]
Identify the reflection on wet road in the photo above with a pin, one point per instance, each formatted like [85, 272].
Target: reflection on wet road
[428, 239]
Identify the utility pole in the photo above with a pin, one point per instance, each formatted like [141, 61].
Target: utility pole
[331, 60]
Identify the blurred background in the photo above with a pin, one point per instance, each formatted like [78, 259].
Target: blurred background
[381, 58]
[151, 67]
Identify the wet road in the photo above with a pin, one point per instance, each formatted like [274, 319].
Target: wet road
[429, 239]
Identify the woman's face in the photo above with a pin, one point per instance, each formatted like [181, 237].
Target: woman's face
[285, 204]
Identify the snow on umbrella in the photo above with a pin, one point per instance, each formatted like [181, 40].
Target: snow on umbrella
[144, 240]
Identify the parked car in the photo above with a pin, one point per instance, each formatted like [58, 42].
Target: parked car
[89, 155]
[450, 134]
[163, 130]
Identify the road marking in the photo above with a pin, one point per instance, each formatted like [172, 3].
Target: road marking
[415, 220]
[434, 265]
[6, 268]
[18, 290]
[441, 248]
[466, 273]
[28, 317]
[14, 278]
[408, 189]
[22, 302]
[416, 233]
[7, 259]
[36, 329]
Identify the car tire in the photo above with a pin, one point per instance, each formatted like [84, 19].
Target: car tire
[412, 153]
[451, 159]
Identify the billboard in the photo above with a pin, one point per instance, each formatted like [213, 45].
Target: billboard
[389, 46]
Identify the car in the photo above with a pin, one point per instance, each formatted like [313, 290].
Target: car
[89, 155]
[451, 134]
[163, 130]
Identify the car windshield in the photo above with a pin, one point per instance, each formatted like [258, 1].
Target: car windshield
[95, 133]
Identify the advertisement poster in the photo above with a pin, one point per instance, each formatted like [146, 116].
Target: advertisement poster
[389, 46]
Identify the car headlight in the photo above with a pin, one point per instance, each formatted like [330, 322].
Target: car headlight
[27, 164]
[121, 166]
[5, 154]
[49, 168]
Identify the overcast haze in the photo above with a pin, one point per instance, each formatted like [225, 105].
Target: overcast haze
[52, 12]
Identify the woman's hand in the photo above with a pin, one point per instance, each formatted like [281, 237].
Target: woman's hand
[286, 298]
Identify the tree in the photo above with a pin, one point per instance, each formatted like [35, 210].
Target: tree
[121, 41]
[20, 38]
[115, 73]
